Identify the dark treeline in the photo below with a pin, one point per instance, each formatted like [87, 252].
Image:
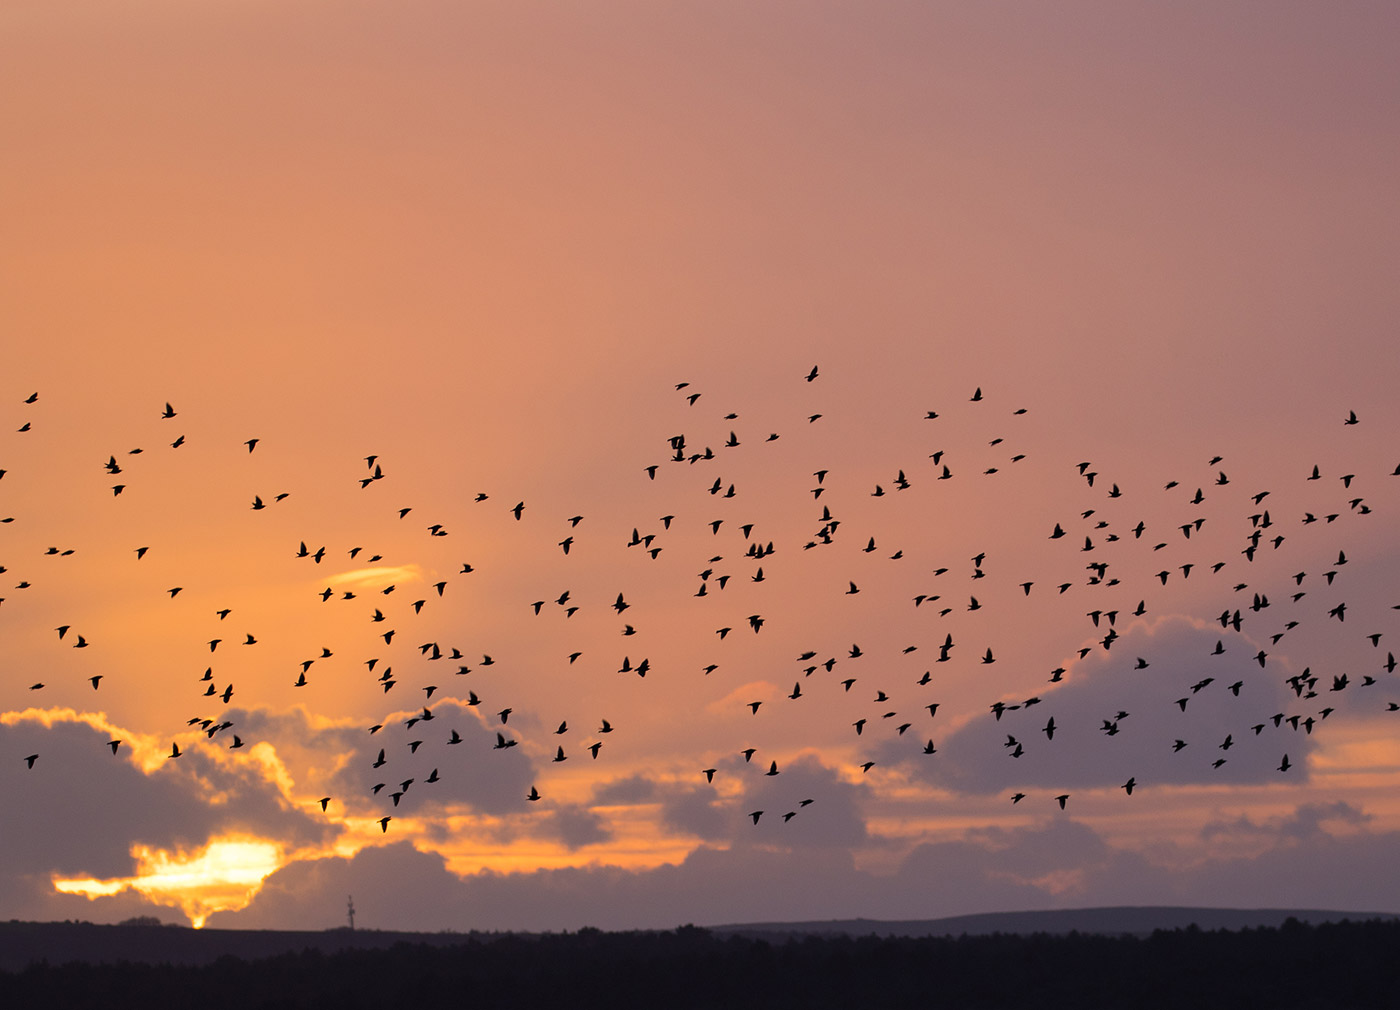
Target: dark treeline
[1327, 966]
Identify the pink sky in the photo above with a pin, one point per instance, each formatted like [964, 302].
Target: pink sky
[485, 243]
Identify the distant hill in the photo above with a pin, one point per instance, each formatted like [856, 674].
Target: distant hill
[25, 943]
[1118, 921]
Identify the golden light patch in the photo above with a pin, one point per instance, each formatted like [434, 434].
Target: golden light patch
[504, 844]
[148, 751]
[1057, 881]
[1355, 751]
[272, 768]
[742, 696]
[376, 578]
[46, 717]
[531, 856]
[224, 875]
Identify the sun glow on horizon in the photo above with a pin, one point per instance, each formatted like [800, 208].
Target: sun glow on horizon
[224, 875]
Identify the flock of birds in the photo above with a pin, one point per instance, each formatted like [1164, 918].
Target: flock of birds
[1104, 552]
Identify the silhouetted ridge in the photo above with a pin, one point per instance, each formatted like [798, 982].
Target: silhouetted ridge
[1348, 964]
[1110, 921]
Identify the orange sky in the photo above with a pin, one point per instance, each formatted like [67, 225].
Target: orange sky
[484, 243]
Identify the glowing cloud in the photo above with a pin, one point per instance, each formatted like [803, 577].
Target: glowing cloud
[224, 875]
[376, 578]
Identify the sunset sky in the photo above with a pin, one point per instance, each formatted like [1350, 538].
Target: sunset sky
[440, 258]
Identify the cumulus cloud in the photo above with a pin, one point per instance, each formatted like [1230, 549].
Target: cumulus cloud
[1058, 862]
[340, 761]
[758, 870]
[1305, 866]
[1118, 714]
[1054, 863]
[394, 886]
[76, 782]
[697, 811]
[826, 809]
[397, 887]
[628, 791]
[1318, 854]
[575, 826]
[1308, 820]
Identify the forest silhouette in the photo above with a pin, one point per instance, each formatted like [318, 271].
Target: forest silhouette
[1346, 964]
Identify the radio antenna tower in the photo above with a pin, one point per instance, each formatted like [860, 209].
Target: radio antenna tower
[350, 910]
